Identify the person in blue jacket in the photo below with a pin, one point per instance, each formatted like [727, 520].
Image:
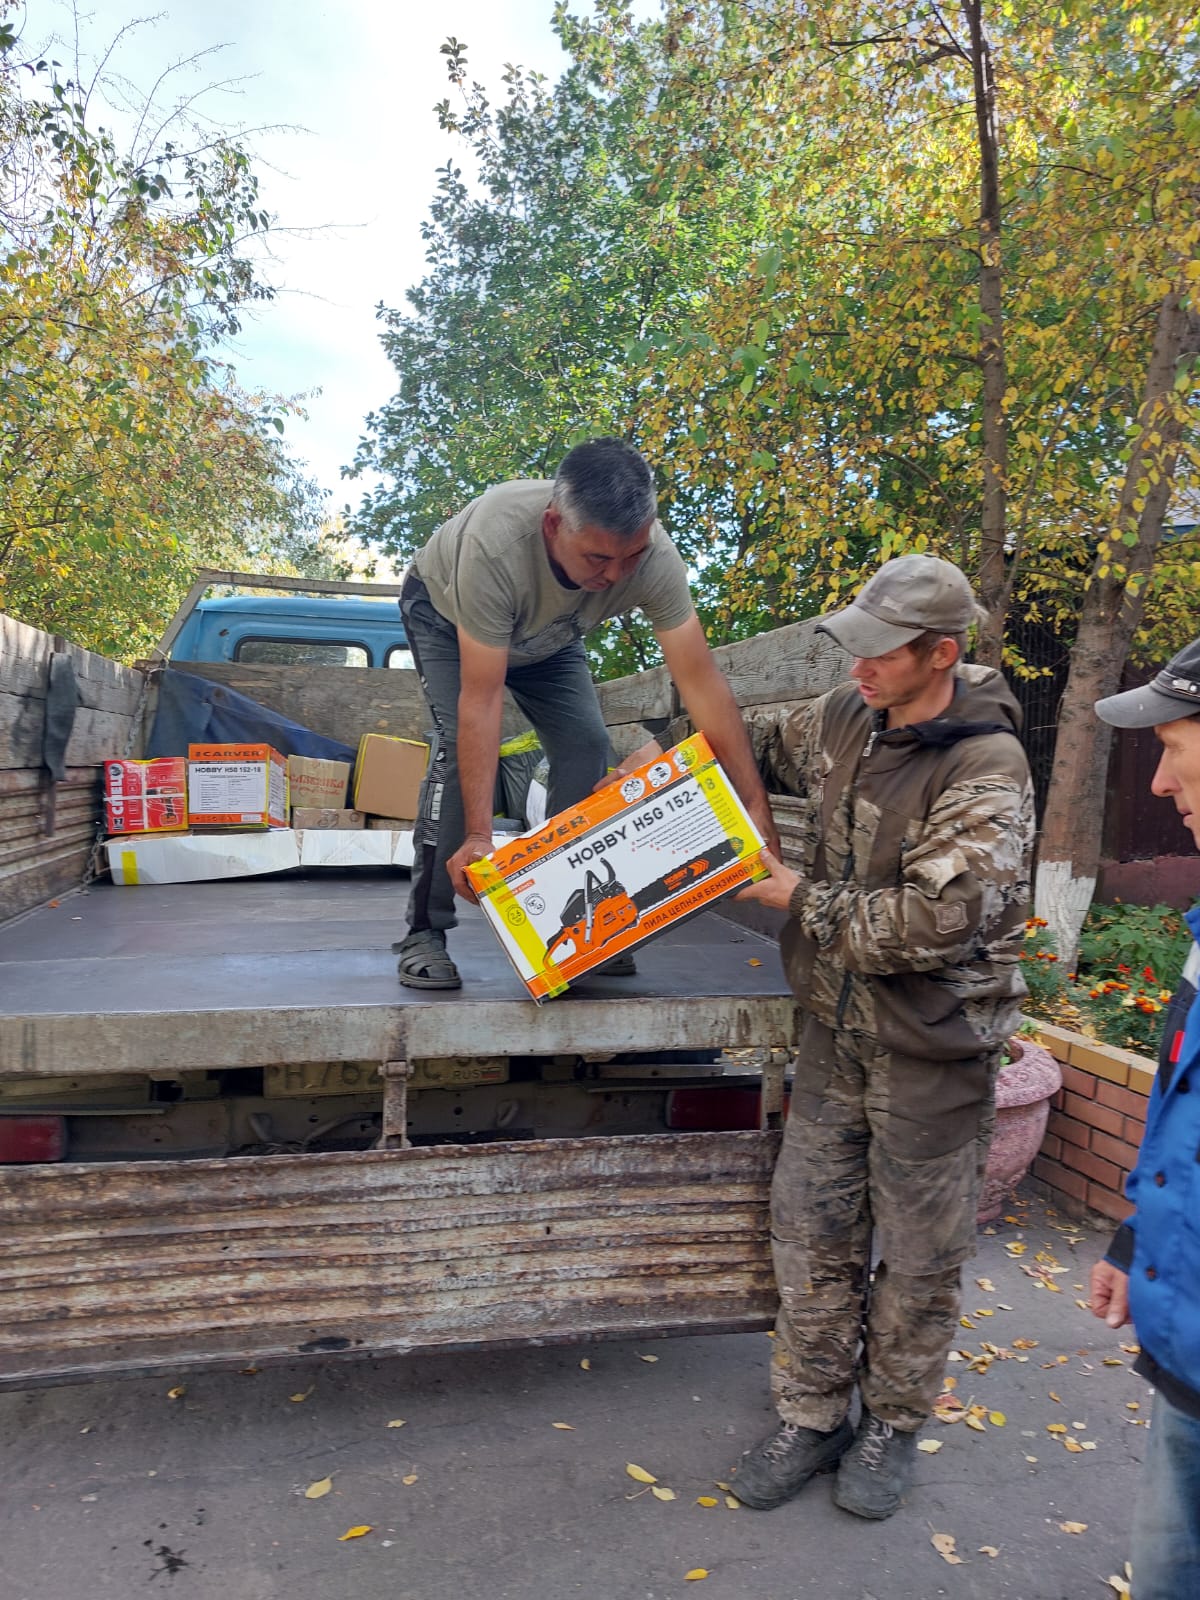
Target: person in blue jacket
[1151, 1274]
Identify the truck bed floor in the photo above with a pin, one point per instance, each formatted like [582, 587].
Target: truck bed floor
[300, 968]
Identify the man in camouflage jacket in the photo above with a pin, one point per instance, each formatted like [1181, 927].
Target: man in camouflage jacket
[902, 946]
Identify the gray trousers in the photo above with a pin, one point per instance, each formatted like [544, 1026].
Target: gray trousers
[558, 697]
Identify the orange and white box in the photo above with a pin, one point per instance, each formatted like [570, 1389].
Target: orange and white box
[236, 786]
[146, 796]
[624, 865]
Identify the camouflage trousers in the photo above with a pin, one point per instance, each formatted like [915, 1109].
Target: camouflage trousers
[852, 1166]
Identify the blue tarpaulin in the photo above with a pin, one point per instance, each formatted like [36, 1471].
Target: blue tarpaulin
[192, 710]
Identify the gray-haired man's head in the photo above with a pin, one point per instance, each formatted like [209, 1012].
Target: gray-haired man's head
[605, 483]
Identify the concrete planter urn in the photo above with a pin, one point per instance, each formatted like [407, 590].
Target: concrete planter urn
[1027, 1083]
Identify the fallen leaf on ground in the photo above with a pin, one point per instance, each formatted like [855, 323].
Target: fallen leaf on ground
[1032, 1460]
[409, 1479]
[1025, 1344]
[754, 962]
[707, 1500]
[732, 1501]
[316, 1490]
[986, 1285]
[1073, 1527]
[586, 1364]
[565, 1426]
[929, 1447]
[396, 1422]
[648, 1358]
[176, 1394]
[662, 1494]
[1121, 1585]
[989, 1550]
[1056, 1427]
[1074, 1446]
[721, 1485]
[695, 1574]
[974, 1422]
[1113, 1361]
[943, 1543]
[1056, 1398]
[296, 1398]
[639, 1474]
[997, 1419]
[1132, 1349]
[1015, 1249]
[354, 1533]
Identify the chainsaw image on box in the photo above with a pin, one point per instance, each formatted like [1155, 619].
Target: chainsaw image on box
[604, 908]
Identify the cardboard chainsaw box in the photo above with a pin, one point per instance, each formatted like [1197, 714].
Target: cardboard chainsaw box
[624, 865]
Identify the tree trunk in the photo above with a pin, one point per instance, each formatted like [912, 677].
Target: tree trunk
[1069, 850]
[993, 587]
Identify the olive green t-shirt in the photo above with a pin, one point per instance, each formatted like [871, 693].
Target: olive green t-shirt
[487, 570]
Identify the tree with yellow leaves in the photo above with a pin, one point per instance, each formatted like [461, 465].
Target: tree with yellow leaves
[128, 453]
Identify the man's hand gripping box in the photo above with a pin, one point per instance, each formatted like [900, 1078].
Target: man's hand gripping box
[625, 864]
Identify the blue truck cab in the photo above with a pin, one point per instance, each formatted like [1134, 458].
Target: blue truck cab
[294, 630]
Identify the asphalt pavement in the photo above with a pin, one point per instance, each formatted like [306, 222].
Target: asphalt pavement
[503, 1475]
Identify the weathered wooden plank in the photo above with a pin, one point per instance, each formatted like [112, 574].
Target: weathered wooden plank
[21, 841]
[25, 651]
[22, 720]
[95, 735]
[641, 697]
[55, 867]
[144, 1267]
[791, 663]
[339, 702]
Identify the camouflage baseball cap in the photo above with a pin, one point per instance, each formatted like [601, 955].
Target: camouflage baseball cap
[907, 597]
[1171, 694]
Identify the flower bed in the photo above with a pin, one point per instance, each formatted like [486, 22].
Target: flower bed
[1129, 960]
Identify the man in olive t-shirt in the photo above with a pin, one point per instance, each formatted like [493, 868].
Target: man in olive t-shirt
[502, 596]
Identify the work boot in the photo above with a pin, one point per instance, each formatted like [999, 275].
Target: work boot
[781, 1464]
[423, 962]
[876, 1470]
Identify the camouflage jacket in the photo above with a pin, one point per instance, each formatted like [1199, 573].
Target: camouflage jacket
[914, 849]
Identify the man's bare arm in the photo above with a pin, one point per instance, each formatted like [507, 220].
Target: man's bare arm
[480, 705]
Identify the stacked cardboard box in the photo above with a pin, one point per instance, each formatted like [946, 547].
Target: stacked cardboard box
[388, 776]
[237, 786]
[146, 796]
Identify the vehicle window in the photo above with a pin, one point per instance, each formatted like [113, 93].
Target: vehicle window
[301, 652]
[399, 656]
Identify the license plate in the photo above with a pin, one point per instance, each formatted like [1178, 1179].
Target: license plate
[304, 1078]
[459, 1072]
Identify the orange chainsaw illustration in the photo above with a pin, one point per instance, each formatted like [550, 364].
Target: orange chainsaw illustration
[604, 908]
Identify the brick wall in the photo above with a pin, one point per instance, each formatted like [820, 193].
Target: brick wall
[1096, 1122]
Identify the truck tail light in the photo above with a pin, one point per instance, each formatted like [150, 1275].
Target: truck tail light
[715, 1110]
[32, 1138]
